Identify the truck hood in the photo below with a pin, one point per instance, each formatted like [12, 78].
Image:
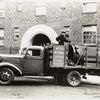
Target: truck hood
[11, 56]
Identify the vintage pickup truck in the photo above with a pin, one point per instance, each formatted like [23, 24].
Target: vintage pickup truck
[46, 61]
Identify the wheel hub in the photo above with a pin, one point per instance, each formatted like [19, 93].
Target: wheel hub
[5, 76]
[74, 80]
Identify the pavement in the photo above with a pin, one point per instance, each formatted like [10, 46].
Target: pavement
[92, 79]
[36, 90]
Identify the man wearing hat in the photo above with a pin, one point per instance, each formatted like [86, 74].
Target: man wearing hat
[62, 38]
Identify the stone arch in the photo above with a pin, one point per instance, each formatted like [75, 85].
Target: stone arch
[31, 32]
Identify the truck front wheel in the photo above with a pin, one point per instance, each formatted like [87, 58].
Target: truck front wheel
[73, 78]
[6, 76]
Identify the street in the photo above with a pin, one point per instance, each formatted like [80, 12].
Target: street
[43, 90]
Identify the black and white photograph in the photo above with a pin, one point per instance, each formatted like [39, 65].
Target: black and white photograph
[49, 50]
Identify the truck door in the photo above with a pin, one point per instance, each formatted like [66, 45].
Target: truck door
[33, 62]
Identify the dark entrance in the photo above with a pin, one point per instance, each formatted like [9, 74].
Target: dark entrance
[40, 39]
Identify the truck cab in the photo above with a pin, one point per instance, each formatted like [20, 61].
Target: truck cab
[33, 61]
[29, 62]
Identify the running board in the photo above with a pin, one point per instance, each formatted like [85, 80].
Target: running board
[39, 77]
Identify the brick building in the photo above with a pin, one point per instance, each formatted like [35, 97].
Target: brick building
[36, 22]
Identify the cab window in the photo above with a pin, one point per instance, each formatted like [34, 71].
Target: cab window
[34, 52]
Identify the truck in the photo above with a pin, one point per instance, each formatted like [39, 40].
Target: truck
[51, 60]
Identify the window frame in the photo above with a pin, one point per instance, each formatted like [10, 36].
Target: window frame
[88, 5]
[2, 37]
[40, 6]
[67, 31]
[2, 9]
[88, 30]
[3, 13]
[16, 32]
[30, 52]
[19, 7]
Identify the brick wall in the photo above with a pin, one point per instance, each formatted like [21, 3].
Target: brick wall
[9, 50]
[56, 18]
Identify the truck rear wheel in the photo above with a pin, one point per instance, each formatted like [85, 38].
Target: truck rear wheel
[73, 78]
[6, 76]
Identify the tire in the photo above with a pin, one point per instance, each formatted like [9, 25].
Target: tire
[73, 78]
[6, 76]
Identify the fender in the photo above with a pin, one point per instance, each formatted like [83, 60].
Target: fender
[3, 64]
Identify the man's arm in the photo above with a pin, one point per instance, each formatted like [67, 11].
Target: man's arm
[65, 39]
[58, 38]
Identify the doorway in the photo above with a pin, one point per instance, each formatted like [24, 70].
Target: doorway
[40, 39]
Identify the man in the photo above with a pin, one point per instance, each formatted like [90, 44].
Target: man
[61, 38]
[70, 51]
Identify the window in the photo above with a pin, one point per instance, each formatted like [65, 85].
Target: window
[16, 33]
[89, 35]
[1, 36]
[2, 11]
[33, 52]
[19, 5]
[89, 7]
[40, 8]
[67, 30]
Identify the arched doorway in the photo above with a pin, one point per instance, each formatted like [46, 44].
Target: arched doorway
[38, 34]
[40, 39]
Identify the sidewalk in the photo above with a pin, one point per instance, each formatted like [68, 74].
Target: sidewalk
[92, 79]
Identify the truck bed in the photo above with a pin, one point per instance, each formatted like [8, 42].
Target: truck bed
[60, 56]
